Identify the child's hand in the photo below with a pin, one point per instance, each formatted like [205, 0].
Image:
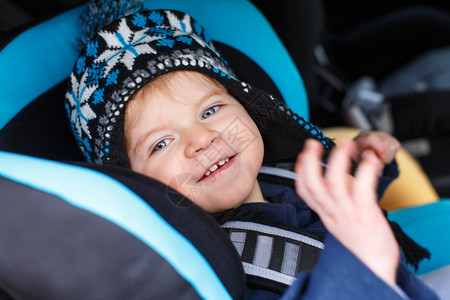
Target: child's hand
[348, 205]
[384, 145]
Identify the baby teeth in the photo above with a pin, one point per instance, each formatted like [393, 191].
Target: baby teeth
[215, 167]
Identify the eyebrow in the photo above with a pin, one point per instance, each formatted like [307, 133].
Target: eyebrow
[143, 138]
[152, 131]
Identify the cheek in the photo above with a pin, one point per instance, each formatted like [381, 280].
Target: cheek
[255, 135]
[169, 174]
[248, 121]
[250, 142]
[159, 170]
[258, 148]
[165, 172]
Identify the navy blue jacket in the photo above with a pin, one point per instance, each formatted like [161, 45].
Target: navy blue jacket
[338, 274]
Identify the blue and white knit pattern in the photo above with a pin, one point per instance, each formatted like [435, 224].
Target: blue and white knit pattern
[123, 57]
[99, 13]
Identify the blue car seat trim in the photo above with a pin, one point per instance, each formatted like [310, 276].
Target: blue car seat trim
[37, 60]
[425, 224]
[44, 55]
[121, 206]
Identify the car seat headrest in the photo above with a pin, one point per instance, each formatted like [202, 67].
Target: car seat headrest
[48, 51]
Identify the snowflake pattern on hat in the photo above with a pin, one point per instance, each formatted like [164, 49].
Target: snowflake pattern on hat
[119, 60]
[82, 112]
[124, 46]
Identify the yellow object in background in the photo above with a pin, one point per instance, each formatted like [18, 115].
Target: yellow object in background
[411, 188]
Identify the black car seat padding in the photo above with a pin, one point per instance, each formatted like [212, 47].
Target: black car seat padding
[53, 248]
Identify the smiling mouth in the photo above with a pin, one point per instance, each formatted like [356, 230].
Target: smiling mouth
[215, 168]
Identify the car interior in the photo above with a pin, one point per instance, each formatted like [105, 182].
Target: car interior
[72, 228]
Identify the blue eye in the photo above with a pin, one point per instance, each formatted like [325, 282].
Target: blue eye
[162, 144]
[210, 111]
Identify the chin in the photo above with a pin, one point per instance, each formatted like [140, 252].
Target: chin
[222, 204]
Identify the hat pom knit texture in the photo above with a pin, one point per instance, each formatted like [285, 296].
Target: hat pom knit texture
[99, 13]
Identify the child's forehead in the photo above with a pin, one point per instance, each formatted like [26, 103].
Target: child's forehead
[175, 91]
[181, 87]
[186, 80]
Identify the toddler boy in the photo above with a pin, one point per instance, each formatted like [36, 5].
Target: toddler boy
[150, 93]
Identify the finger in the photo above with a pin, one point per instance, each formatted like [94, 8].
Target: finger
[310, 184]
[366, 177]
[307, 167]
[337, 173]
[372, 141]
[392, 150]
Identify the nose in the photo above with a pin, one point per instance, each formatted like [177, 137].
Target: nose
[199, 138]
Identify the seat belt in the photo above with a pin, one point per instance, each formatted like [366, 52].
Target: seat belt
[271, 253]
[272, 256]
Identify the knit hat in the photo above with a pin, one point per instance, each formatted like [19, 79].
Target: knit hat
[131, 51]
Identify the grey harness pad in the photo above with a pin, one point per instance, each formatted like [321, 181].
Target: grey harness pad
[272, 253]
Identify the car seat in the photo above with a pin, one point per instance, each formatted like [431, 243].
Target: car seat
[95, 232]
[87, 232]
[77, 230]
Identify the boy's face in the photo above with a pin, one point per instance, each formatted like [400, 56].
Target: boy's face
[198, 139]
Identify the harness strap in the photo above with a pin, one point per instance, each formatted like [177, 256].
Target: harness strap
[272, 256]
